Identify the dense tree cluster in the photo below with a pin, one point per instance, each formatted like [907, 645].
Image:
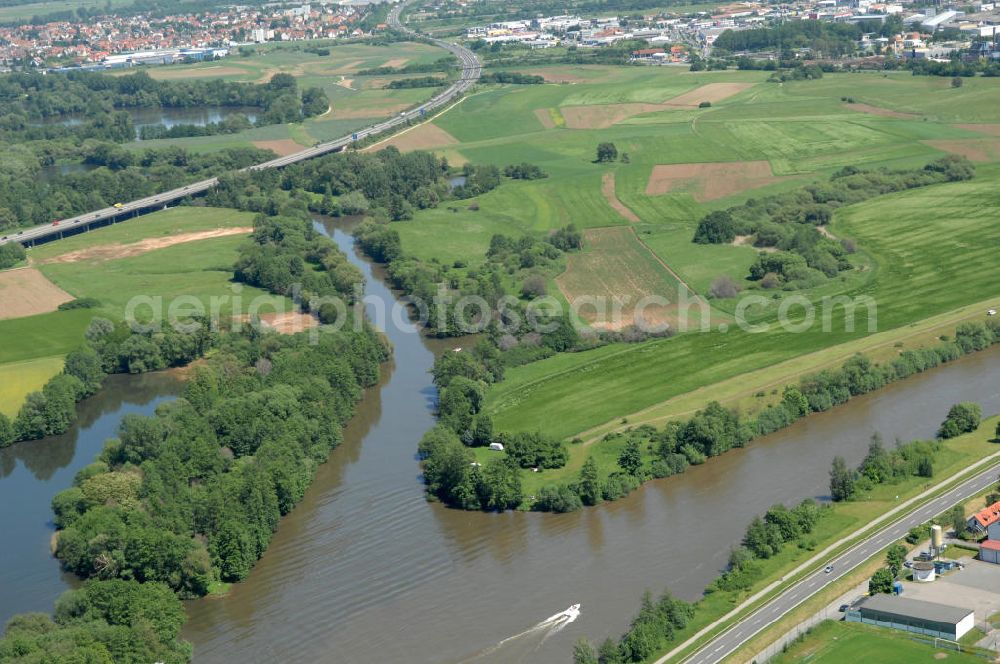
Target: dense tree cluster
[788, 222]
[121, 175]
[195, 492]
[649, 632]
[881, 466]
[514, 77]
[453, 476]
[416, 82]
[451, 471]
[11, 254]
[102, 621]
[286, 255]
[386, 182]
[962, 418]
[27, 96]
[524, 171]
[765, 538]
[479, 179]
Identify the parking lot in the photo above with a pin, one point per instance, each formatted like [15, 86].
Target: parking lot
[976, 587]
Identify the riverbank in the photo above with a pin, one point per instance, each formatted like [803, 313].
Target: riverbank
[839, 529]
[751, 395]
[373, 475]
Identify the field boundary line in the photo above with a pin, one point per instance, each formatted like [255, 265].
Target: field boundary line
[668, 268]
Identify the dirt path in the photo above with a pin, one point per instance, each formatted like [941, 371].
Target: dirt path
[107, 252]
[608, 189]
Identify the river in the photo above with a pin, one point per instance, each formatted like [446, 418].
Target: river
[31, 473]
[364, 569]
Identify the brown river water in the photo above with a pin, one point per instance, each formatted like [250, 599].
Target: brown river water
[365, 570]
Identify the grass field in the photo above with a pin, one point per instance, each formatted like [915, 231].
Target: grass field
[17, 379]
[835, 642]
[615, 265]
[29, 9]
[918, 275]
[802, 130]
[86, 266]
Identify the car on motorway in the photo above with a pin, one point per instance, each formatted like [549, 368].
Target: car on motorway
[827, 569]
[55, 223]
[119, 206]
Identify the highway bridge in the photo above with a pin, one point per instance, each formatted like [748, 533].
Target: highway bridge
[470, 72]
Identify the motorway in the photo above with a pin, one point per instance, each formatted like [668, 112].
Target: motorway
[727, 642]
[471, 70]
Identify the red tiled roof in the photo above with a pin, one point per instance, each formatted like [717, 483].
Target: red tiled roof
[992, 545]
[989, 515]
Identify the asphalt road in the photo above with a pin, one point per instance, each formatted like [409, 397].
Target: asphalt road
[471, 71]
[727, 642]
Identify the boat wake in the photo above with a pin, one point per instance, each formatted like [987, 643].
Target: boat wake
[544, 629]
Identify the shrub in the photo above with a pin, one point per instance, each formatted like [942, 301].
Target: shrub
[724, 287]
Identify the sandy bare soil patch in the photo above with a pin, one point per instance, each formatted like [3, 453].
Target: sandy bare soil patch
[989, 129]
[545, 118]
[748, 240]
[346, 83]
[201, 72]
[602, 116]
[608, 190]
[285, 322]
[26, 292]
[421, 137]
[369, 111]
[107, 252]
[282, 148]
[825, 232]
[975, 149]
[395, 62]
[884, 112]
[709, 181]
[712, 92]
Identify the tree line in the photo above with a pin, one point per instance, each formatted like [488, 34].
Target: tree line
[33, 96]
[27, 199]
[193, 494]
[788, 222]
[648, 452]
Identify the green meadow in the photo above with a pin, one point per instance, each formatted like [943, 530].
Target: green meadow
[356, 101]
[834, 642]
[922, 253]
[33, 346]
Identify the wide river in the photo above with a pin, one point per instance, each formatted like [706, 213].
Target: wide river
[365, 570]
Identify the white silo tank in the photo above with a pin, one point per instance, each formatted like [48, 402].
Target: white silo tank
[937, 536]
